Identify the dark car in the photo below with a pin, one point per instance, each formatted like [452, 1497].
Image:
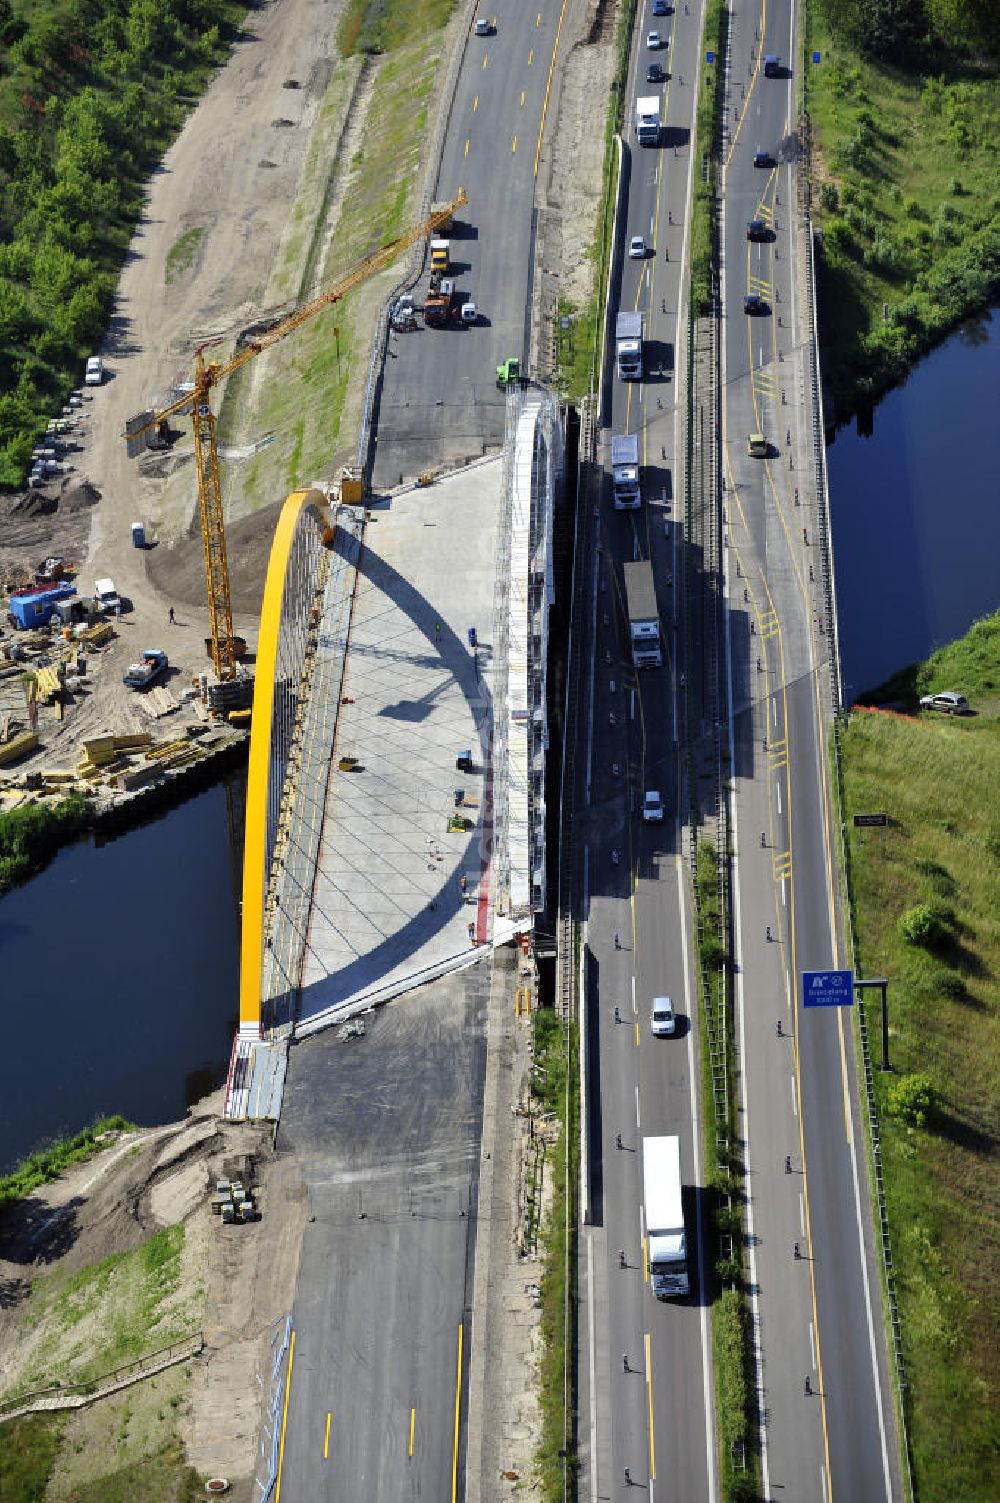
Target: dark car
[754, 304]
[655, 74]
[772, 65]
[757, 230]
[763, 159]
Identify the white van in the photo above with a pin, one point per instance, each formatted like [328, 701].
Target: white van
[662, 1018]
[95, 371]
[106, 596]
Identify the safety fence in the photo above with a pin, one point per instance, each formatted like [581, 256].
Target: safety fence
[266, 1475]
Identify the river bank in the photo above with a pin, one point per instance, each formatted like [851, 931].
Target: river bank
[905, 183]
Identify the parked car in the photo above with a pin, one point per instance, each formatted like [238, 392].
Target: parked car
[948, 702]
[652, 806]
[95, 371]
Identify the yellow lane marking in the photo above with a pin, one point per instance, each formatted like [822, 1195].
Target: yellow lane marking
[531, 57]
[522, 99]
[645, 1260]
[413, 1419]
[538, 19]
[284, 1417]
[548, 85]
[486, 60]
[458, 1406]
[637, 1035]
[475, 104]
[326, 1437]
[513, 144]
[467, 139]
[649, 1393]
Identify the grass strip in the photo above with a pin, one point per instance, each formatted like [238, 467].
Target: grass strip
[46, 1164]
[925, 908]
[732, 1357]
[704, 220]
[29, 1447]
[556, 1087]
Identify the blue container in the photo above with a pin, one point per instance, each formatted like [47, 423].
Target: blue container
[138, 535]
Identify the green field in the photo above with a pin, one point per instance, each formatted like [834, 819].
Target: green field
[934, 872]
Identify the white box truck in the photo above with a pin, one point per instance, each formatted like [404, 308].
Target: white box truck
[625, 471]
[628, 346]
[647, 120]
[666, 1244]
[643, 616]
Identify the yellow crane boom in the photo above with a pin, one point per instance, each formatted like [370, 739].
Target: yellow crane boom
[209, 373]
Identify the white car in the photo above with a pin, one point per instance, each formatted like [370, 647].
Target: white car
[637, 248]
[469, 313]
[652, 806]
[95, 371]
[947, 701]
[653, 41]
[662, 1018]
[484, 27]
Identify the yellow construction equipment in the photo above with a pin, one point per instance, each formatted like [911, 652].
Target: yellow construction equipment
[211, 373]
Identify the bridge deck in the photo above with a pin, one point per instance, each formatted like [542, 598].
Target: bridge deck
[387, 900]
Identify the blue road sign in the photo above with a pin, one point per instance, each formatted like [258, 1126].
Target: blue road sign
[827, 988]
[710, 57]
[816, 57]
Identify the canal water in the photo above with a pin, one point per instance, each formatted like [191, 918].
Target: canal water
[120, 973]
[916, 512]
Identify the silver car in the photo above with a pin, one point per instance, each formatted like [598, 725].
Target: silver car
[947, 701]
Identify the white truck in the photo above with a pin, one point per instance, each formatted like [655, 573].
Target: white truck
[106, 597]
[625, 471]
[647, 120]
[643, 616]
[628, 346]
[666, 1243]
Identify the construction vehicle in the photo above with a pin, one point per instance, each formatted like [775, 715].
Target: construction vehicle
[444, 214]
[509, 371]
[438, 302]
[150, 666]
[195, 399]
[440, 256]
[757, 446]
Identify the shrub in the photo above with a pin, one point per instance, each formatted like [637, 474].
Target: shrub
[922, 926]
[913, 1099]
[829, 198]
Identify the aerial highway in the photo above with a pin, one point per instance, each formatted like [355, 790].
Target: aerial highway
[655, 1419]
[389, 1135]
[439, 398]
[827, 1426]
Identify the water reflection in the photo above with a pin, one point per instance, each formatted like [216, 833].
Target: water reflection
[916, 524]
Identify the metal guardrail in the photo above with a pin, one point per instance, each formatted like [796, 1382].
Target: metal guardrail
[270, 1441]
[828, 622]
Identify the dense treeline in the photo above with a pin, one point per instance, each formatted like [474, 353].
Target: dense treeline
[910, 31]
[91, 93]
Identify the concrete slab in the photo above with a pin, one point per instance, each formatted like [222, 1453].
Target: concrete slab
[388, 898]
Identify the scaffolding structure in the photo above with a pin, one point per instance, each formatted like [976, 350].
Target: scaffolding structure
[533, 461]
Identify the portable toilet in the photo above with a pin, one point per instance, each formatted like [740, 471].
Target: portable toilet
[138, 535]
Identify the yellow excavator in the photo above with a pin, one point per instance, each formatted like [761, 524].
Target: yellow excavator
[195, 399]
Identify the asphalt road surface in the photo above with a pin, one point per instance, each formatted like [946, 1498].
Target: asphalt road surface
[386, 1130]
[440, 400]
[818, 1315]
[656, 1419]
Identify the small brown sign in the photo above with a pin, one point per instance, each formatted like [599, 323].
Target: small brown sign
[865, 821]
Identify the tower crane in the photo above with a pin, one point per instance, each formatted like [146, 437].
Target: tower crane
[210, 373]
